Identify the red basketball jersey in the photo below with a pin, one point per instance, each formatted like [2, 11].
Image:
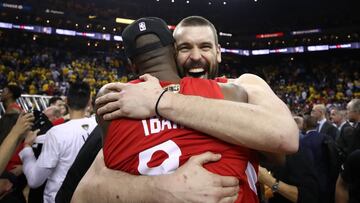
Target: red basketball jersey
[157, 146]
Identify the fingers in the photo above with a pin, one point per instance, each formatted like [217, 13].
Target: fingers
[26, 117]
[148, 77]
[115, 86]
[109, 97]
[231, 199]
[229, 194]
[229, 181]
[113, 115]
[108, 108]
[205, 158]
[25, 121]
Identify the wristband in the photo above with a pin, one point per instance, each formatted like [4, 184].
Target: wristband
[157, 102]
[275, 187]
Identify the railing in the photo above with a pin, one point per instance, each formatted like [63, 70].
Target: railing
[30, 102]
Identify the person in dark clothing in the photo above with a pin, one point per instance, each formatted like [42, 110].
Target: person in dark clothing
[296, 181]
[324, 126]
[348, 184]
[83, 161]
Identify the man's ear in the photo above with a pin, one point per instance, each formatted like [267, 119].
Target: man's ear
[218, 53]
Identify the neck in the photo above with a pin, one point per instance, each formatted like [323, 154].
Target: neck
[76, 114]
[8, 102]
[164, 72]
[339, 123]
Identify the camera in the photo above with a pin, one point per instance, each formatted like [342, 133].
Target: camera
[41, 122]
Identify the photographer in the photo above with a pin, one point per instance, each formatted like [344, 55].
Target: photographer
[62, 144]
[13, 127]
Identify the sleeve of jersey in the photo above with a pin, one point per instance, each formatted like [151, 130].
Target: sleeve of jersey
[201, 87]
[50, 153]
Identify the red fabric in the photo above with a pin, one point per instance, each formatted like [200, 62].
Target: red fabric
[15, 159]
[129, 141]
[16, 107]
[221, 80]
[58, 121]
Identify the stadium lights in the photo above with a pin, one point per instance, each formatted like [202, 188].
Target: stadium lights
[110, 37]
[269, 35]
[129, 21]
[124, 20]
[91, 17]
[225, 34]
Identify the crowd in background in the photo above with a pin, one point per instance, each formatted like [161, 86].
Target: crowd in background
[48, 71]
[299, 83]
[315, 90]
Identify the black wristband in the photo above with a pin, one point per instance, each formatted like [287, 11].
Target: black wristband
[157, 102]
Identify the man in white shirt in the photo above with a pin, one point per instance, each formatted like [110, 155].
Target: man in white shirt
[62, 144]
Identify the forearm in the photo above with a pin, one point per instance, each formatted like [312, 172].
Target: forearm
[7, 148]
[35, 175]
[238, 123]
[290, 192]
[132, 188]
[341, 191]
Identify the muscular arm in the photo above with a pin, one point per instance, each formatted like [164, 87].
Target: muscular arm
[265, 123]
[190, 183]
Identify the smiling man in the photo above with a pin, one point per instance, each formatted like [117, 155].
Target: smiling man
[258, 124]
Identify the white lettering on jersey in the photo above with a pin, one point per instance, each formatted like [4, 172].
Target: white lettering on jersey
[168, 166]
[145, 126]
[166, 123]
[157, 125]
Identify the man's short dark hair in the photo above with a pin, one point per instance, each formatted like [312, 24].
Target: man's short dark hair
[15, 91]
[198, 21]
[78, 95]
[53, 100]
